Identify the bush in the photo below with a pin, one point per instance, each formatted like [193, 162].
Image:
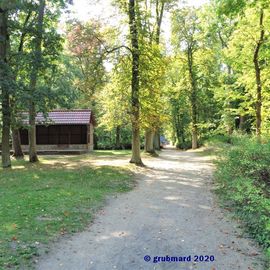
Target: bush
[217, 140]
[184, 145]
[243, 177]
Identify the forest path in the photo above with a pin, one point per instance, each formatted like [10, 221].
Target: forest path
[172, 211]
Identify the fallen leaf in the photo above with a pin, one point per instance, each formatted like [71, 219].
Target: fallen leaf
[254, 254]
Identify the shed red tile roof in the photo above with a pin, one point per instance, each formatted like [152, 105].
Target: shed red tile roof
[63, 117]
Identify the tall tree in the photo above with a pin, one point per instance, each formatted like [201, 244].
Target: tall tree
[153, 67]
[22, 27]
[37, 58]
[114, 101]
[135, 84]
[257, 67]
[5, 78]
[250, 69]
[185, 25]
[155, 11]
[87, 50]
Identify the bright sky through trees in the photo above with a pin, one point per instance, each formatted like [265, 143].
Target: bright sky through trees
[84, 8]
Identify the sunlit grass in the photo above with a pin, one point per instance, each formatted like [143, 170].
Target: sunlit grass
[112, 152]
[56, 196]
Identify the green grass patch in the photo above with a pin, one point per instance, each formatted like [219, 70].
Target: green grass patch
[216, 144]
[111, 152]
[58, 195]
[243, 177]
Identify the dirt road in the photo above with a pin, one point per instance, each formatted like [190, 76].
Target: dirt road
[172, 212]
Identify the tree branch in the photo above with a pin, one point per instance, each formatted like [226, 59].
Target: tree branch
[108, 51]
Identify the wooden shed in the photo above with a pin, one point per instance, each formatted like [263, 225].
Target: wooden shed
[65, 130]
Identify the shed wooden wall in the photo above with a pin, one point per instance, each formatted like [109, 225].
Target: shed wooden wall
[58, 134]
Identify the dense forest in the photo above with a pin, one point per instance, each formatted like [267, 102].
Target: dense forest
[210, 78]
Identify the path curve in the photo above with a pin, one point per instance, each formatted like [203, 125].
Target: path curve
[172, 211]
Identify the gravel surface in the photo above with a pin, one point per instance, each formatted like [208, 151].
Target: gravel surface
[173, 212]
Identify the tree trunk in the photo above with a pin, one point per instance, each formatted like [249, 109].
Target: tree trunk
[149, 142]
[194, 125]
[193, 99]
[194, 137]
[156, 136]
[258, 78]
[135, 103]
[136, 151]
[32, 133]
[16, 141]
[157, 140]
[4, 75]
[33, 83]
[117, 138]
[159, 18]
[6, 162]
[242, 123]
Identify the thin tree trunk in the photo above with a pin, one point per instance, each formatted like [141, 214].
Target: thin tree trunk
[242, 123]
[16, 141]
[135, 103]
[4, 75]
[258, 78]
[230, 123]
[194, 124]
[159, 18]
[117, 138]
[229, 127]
[155, 137]
[33, 83]
[194, 137]
[6, 162]
[193, 99]
[32, 133]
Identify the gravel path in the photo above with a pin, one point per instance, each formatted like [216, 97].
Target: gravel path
[171, 212]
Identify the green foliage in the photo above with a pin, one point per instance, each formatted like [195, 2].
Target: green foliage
[243, 173]
[106, 139]
[236, 26]
[86, 47]
[114, 99]
[55, 197]
[192, 77]
[54, 88]
[152, 80]
[244, 39]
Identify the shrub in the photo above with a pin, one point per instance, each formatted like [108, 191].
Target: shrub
[243, 177]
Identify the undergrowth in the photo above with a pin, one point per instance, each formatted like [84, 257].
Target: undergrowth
[243, 178]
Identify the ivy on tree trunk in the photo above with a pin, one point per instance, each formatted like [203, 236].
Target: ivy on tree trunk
[135, 103]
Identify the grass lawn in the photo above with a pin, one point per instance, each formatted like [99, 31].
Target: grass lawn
[112, 152]
[56, 196]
